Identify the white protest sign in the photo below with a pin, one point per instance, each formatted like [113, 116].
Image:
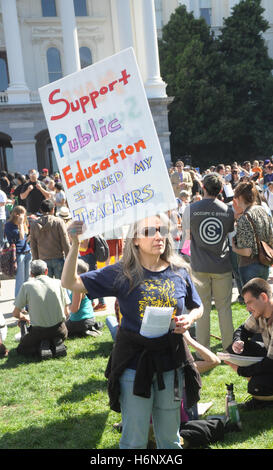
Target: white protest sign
[106, 145]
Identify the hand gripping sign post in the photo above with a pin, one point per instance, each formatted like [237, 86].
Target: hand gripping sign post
[106, 146]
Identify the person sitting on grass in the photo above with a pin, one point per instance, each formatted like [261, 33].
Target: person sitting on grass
[82, 320]
[3, 334]
[47, 303]
[259, 302]
[208, 360]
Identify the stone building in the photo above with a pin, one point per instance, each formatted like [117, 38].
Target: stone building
[44, 40]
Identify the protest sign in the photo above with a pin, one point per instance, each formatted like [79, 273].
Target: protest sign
[106, 145]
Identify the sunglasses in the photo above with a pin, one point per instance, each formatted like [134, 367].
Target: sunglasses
[151, 231]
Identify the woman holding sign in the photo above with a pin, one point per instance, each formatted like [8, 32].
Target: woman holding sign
[145, 373]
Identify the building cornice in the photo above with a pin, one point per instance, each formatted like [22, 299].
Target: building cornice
[49, 28]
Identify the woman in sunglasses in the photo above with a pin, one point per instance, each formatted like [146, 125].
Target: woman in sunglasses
[145, 375]
[235, 177]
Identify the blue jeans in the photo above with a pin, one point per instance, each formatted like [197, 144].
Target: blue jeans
[137, 411]
[2, 232]
[55, 267]
[235, 270]
[23, 270]
[253, 270]
[112, 324]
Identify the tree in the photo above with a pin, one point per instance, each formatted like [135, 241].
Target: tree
[247, 75]
[188, 55]
[222, 87]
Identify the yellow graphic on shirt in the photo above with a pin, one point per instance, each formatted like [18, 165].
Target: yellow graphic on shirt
[157, 293]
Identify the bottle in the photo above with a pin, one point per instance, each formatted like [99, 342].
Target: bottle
[23, 328]
[232, 411]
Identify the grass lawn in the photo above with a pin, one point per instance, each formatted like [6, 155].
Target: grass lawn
[63, 403]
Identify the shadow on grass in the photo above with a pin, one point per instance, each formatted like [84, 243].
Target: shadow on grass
[15, 360]
[79, 432]
[102, 349]
[80, 391]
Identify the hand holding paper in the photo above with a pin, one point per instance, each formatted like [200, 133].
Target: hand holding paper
[156, 321]
[238, 347]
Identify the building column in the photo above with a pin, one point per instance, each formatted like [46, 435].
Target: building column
[217, 15]
[122, 24]
[154, 85]
[72, 61]
[18, 91]
[195, 9]
[232, 3]
[187, 4]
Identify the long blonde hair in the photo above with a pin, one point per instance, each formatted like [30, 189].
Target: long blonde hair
[130, 262]
[18, 210]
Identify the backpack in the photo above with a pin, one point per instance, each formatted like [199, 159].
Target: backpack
[101, 248]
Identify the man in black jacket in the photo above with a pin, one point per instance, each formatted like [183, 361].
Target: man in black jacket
[259, 302]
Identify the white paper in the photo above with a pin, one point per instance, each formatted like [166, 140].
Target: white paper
[243, 361]
[156, 321]
[106, 145]
[228, 190]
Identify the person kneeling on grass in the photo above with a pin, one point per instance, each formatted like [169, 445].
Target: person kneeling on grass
[82, 318]
[47, 303]
[259, 302]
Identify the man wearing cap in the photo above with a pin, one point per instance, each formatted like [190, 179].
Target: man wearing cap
[49, 239]
[207, 224]
[43, 174]
[181, 179]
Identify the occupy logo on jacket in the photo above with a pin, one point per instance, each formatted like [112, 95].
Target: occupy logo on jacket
[211, 231]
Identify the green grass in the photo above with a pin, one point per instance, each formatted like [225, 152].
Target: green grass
[63, 403]
[59, 403]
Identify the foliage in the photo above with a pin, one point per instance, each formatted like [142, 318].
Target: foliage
[222, 87]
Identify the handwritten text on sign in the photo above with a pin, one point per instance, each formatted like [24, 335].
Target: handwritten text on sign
[106, 145]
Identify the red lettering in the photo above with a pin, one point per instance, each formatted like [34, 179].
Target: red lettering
[75, 107]
[79, 175]
[124, 77]
[60, 100]
[112, 84]
[93, 97]
[94, 169]
[68, 177]
[114, 156]
[103, 90]
[84, 100]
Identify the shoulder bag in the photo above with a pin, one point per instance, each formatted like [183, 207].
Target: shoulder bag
[265, 252]
[8, 263]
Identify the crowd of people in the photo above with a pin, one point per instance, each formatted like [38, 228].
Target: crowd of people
[183, 260]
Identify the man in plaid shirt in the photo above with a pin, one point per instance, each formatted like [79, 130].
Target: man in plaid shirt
[259, 302]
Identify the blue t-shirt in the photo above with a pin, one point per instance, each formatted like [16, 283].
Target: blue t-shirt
[12, 234]
[166, 288]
